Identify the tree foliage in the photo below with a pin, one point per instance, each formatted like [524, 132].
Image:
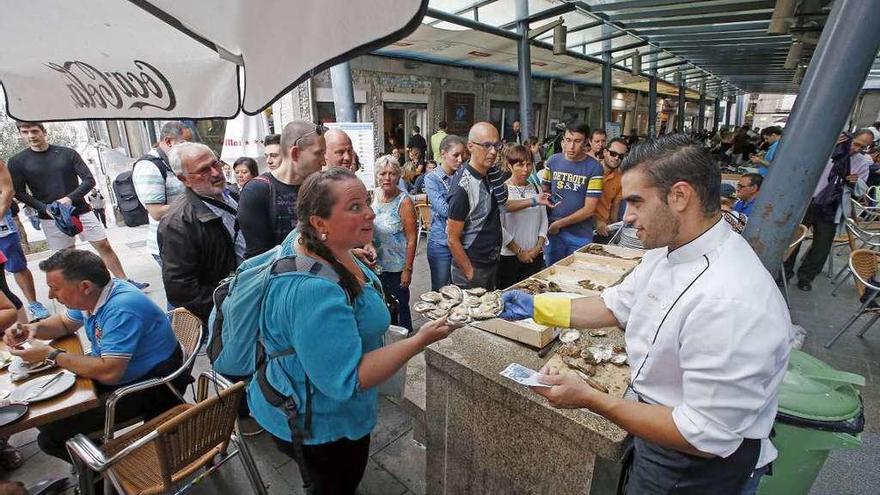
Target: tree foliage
[63, 134]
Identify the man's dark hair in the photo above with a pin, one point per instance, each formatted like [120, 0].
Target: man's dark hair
[248, 162]
[877, 125]
[442, 125]
[616, 140]
[77, 265]
[597, 131]
[578, 127]
[272, 139]
[755, 179]
[416, 129]
[773, 129]
[19, 124]
[675, 158]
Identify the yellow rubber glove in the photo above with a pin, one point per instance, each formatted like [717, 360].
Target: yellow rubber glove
[553, 309]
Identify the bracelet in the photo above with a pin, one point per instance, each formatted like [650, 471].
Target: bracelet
[407, 269]
[534, 201]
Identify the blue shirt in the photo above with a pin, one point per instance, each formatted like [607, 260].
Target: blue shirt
[436, 187]
[311, 314]
[575, 182]
[744, 207]
[128, 324]
[769, 156]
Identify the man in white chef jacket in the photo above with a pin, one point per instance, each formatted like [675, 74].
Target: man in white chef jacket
[707, 333]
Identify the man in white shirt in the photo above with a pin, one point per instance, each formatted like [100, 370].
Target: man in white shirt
[707, 333]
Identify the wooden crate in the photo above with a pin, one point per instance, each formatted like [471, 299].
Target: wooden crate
[621, 252]
[524, 331]
[596, 263]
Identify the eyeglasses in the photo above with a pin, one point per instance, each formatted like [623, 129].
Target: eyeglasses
[206, 173]
[615, 154]
[319, 130]
[489, 146]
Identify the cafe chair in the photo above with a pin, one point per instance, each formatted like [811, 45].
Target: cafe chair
[424, 219]
[187, 327]
[858, 239]
[167, 453]
[863, 266]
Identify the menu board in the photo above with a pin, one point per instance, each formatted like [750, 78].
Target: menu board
[361, 134]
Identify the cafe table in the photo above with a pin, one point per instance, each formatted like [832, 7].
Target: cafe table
[81, 397]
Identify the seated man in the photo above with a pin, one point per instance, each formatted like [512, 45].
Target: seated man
[131, 341]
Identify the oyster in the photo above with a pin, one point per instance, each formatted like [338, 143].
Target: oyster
[569, 350]
[491, 298]
[618, 359]
[458, 315]
[553, 287]
[424, 307]
[485, 311]
[569, 336]
[431, 297]
[436, 314]
[599, 250]
[598, 333]
[452, 292]
[586, 284]
[470, 301]
[476, 291]
[446, 304]
[597, 354]
[532, 286]
[579, 364]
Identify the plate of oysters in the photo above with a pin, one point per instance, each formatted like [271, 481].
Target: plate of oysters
[460, 306]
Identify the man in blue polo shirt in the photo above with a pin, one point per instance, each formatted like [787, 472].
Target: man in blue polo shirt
[771, 135]
[575, 180]
[131, 341]
[747, 188]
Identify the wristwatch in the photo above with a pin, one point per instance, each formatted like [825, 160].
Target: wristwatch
[52, 358]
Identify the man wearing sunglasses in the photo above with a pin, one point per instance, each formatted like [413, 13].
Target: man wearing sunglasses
[608, 209]
[575, 180]
[267, 207]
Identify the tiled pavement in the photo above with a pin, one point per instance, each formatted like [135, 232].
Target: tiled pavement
[397, 463]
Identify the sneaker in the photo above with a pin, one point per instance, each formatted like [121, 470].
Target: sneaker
[139, 285]
[38, 311]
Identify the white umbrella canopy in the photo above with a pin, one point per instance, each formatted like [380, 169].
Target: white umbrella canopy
[167, 59]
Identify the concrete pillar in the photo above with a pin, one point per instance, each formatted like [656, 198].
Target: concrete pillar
[716, 114]
[343, 92]
[524, 62]
[652, 99]
[679, 118]
[606, 76]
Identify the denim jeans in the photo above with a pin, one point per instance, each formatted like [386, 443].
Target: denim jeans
[440, 263]
[751, 487]
[563, 244]
[391, 283]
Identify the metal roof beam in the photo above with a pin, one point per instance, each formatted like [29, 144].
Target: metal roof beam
[696, 21]
[634, 4]
[464, 10]
[544, 14]
[607, 37]
[763, 5]
[717, 28]
[716, 36]
[630, 46]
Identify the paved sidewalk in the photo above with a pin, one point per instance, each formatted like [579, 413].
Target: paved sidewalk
[397, 464]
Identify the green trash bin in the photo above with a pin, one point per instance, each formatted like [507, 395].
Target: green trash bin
[820, 410]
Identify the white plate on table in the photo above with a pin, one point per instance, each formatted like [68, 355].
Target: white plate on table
[24, 392]
[17, 366]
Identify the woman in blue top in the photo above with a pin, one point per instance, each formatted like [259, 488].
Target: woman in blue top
[338, 344]
[452, 153]
[395, 234]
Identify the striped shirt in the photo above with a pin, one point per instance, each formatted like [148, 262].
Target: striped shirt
[152, 190]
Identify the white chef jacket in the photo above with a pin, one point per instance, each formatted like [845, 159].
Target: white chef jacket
[720, 354]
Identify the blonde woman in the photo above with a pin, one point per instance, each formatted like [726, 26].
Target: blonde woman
[395, 234]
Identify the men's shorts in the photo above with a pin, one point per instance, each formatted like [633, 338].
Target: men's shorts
[92, 231]
[10, 245]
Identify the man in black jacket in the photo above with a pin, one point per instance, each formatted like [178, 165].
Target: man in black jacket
[198, 238]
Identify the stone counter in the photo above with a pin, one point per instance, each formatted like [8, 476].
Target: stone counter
[488, 434]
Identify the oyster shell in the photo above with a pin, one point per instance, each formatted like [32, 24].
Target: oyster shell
[458, 315]
[618, 359]
[589, 285]
[569, 335]
[579, 365]
[569, 350]
[431, 297]
[485, 312]
[470, 301]
[436, 314]
[476, 291]
[446, 304]
[452, 292]
[553, 287]
[491, 298]
[424, 307]
[597, 354]
[598, 333]
[532, 286]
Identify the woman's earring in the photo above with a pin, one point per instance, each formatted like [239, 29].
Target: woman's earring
[323, 236]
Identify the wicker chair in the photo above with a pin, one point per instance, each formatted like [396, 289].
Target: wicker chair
[799, 234]
[187, 327]
[858, 238]
[424, 211]
[863, 266]
[167, 451]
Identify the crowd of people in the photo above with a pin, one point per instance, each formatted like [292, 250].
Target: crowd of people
[499, 212]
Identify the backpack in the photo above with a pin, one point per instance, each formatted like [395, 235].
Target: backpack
[133, 212]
